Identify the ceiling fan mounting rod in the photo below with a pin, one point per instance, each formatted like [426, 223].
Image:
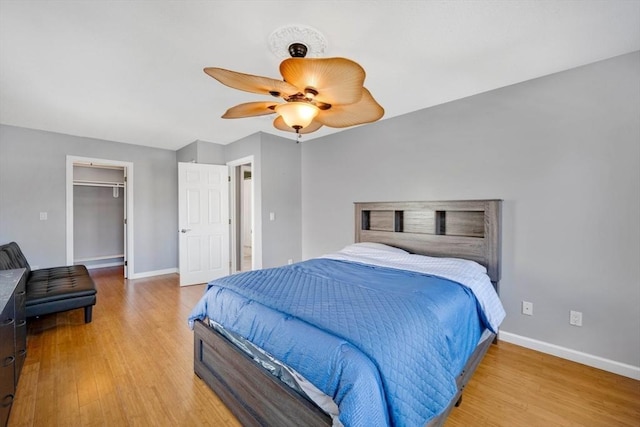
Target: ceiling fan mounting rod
[299, 97]
[310, 92]
[298, 50]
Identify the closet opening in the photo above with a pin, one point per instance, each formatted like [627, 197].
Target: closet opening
[98, 223]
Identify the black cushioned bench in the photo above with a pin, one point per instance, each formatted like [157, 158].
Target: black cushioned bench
[52, 290]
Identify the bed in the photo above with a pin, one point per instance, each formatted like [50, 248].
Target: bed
[408, 259]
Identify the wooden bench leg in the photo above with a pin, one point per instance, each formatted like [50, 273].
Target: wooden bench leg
[87, 313]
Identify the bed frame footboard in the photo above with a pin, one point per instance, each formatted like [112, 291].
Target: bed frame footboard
[254, 396]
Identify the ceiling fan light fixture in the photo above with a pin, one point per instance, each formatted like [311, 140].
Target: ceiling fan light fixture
[316, 91]
[296, 114]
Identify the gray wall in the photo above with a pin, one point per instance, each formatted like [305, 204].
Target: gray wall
[188, 153]
[282, 195]
[33, 180]
[563, 151]
[276, 178]
[202, 152]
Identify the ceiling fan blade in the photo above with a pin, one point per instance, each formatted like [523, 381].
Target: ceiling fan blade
[279, 124]
[251, 83]
[366, 110]
[250, 109]
[337, 80]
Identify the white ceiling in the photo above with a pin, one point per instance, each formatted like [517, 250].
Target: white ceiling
[131, 71]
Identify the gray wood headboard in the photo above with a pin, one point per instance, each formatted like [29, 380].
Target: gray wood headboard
[469, 229]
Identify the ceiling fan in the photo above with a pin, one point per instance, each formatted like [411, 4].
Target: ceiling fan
[314, 92]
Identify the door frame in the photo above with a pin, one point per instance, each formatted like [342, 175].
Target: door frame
[256, 224]
[128, 244]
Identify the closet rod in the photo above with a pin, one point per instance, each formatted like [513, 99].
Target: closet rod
[99, 183]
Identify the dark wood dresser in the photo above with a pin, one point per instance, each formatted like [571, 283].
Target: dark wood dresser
[13, 336]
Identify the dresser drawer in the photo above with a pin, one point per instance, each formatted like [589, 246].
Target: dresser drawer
[20, 305]
[21, 346]
[7, 332]
[7, 379]
[13, 336]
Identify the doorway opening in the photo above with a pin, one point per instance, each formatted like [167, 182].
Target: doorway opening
[99, 213]
[244, 218]
[243, 242]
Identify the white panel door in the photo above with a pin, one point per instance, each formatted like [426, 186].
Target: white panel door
[203, 218]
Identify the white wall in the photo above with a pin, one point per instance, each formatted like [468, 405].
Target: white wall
[563, 151]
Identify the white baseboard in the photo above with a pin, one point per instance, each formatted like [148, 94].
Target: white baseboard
[153, 273]
[573, 355]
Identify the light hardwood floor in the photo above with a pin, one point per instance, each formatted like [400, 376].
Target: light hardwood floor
[133, 366]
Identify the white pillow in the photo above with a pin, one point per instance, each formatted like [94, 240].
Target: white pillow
[373, 245]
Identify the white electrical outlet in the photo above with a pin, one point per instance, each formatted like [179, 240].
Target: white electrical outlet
[527, 308]
[575, 318]
[290, 261]
[43, 216]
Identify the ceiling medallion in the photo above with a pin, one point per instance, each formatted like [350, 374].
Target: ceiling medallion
[283, 37]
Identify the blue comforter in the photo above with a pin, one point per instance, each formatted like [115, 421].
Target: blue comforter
[385, 344]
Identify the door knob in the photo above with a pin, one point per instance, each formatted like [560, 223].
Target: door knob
[184, 230]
